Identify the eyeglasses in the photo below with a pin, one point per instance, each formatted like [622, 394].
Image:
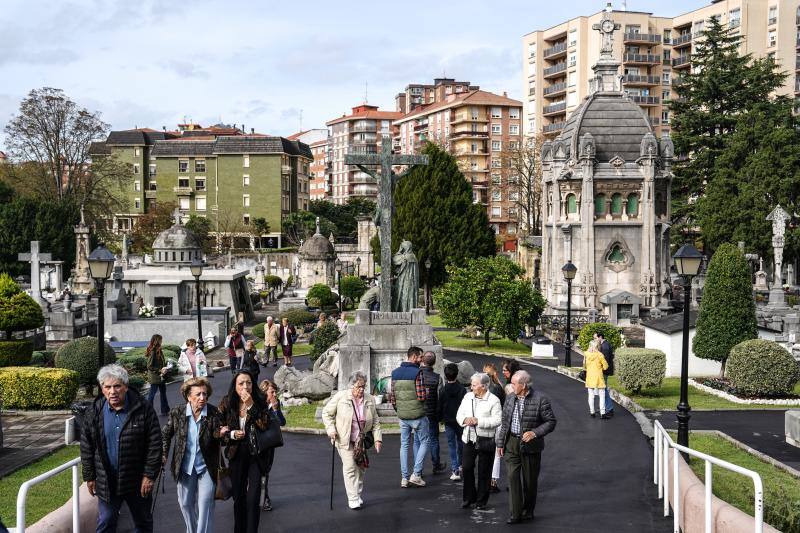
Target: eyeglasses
[360, 387]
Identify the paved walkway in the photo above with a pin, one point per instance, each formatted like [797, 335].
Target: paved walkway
[28, 437]
[596, 476]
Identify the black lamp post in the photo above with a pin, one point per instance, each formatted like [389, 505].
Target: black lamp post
[569, 271]
[358, 266]
[338, 265]
[428, 286]
[687, 263]
[101, 264]
[197, 270]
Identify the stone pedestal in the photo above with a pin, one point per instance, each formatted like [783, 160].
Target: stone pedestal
[81, 279]
[777, 298]
[378, 341]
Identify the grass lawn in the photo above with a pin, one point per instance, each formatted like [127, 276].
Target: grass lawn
[667, 396]
[302, 416]
[42, 498]
[453, 339]
[298, 349]
[436, 321]
[781, 490]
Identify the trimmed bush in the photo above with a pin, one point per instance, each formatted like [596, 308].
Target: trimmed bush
[133, 363]
[273, 281]
[136, 382]
[19, 313]
[353, 287]
[321, 296]
[761, 367]
[45, 358]
[325, 336]
[299, 317]
[8, 287]
[80, 355]
[258, 330]
[640, 368]
[611, 333]
[37, 388]
[15, 353]
[136, 352]
[174, 348]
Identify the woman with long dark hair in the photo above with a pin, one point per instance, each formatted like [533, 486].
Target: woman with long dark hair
[156, 369]
[243, 412]
[270, 390]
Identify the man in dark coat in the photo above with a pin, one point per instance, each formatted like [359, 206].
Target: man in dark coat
[120, 451]
[608, 352]
[433, 384]
[527, 418]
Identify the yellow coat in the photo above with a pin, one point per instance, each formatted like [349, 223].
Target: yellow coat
[594, 363]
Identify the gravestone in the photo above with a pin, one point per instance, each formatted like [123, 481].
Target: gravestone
[761, 278]
[81, 279]
[35, 258]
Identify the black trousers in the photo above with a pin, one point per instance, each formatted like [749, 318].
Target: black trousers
[482, 461]
[523, 477]
[269, 458]
[246, 481]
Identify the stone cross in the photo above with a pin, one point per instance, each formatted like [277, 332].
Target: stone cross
[606, 27]
[35, 259]
[387, 180]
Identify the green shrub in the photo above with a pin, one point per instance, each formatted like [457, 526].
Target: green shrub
[258, 330]
[136, 351]
[290, 281]
[325, 336]
[37, 388]
[263, 294]
[321, 296]
[174, 348]
[640, 368]
[133, 363]
[136, 382]
[273, 281]
[299, 317]
[80, 355]
[20, 312]
[43, 358]
[8, 287]
[761, 367]
[353, 287]
[15, 353]
[611, 333]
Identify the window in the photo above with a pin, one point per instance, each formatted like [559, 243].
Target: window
[573, 59]
[665, 117]
[513, 196]
[136, 168]
[246, 161]
[496, 211]
[496, 112]
[497, 129]
[572, 99]
[697, 28]
[137, 203]
[137, 152]
[183, 183]
[633, 205]
[616, 204]
[667, 36]
[665, 77]
[200, 184]
[152, 186]
[246, 220]
[496, 163]
[200, 165]
[734, 18]
[600, 204]
[513, 129]
[513, 113]
[496, 179]
[532, 52]
[246, 200]
[200, 203]
[495, 146]
[572, 204]
[512, 228]
[246, 180]
[513, 145]
[512, 212]
[136, 186]
[772, 37]
[573, 37]
[184, 203]
[773, 15]
[497, 196]
[183, 165]
[152, 170]
[572, 79]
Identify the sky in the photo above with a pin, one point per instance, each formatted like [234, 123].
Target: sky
[273, 66]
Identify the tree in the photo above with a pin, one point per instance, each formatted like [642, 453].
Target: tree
[526, 181]
[352, 287]
[229, 226]
[201, 227]
[18, 311]
[721, 85]
[343, 216]
[301, 225]
[150, 225]
[727, 310]
[261, 227]
[489, 293]
[434, 211]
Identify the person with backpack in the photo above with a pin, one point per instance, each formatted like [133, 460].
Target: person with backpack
[608, 352]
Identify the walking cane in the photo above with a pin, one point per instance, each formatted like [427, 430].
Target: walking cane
[333, 461]
[155, 492]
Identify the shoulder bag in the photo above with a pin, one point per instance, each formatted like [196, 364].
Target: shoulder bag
[483, 444]
[224, 489]
[272, 437]
[359, 447]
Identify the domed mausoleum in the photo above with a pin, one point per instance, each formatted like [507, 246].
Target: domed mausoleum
[606, 189]
[317, 257]
[176, 246]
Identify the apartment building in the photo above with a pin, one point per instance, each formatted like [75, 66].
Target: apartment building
[227, 175]
[417, 94]
[320, 176]
[653, 51]
[360, 132]
[477, 127]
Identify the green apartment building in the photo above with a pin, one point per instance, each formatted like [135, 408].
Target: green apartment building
[231, 178]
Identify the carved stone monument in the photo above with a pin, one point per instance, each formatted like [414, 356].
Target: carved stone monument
[81, 279]
[761, 277]
[35, 258]
[778, 217]
[406, 290]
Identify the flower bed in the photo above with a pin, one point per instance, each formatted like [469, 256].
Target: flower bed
[723, 389]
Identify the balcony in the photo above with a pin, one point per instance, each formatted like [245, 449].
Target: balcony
[554, 109]
[647, 38]
[681, 61]
[150, 194]
[645, 100]
[365, 190]
[479, 184]
[638, 80]
[682, 40]
[553, 128]
[558, 50]
[183, 191]
[478, 152]
[641, 59]
[469, 134]
[361, 177]
[421, 127]
[556, 89]
[555, 70]
[464, 117]
[360, 126]
[286, 169]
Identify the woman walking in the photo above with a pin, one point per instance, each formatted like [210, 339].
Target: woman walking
[349, 418]
[192, 362]
[234, 344]
[594, 363]
[270, 390]
[480, 415]
[156, 369]
[195, 425]
[287, 334]
[496, 388]
[250, 360]
[243, 412]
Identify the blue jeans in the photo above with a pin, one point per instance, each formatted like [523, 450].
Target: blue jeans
[455, 445]
[108, 512]
[609, 402]
[420, 428]
[196, 498]
[433, 442]
[152, 395]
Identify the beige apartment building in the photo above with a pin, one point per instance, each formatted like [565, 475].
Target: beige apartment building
[477, 127]
[653, 51]
[418, 94]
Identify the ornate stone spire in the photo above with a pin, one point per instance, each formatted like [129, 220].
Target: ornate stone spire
[318, 232]
[606, 69]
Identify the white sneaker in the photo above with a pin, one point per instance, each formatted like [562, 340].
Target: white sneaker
[404, 483]
[360, 501]
[455, 477]
[416, 480]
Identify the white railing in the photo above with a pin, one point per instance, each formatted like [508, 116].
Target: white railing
[662, 442]
[22, 495]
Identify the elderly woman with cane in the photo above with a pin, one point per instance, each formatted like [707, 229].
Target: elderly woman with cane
[351, 422]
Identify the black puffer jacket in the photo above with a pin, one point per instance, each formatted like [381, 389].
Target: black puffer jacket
[139, 447]
[178, 426]
[537, 415]
[431, 380]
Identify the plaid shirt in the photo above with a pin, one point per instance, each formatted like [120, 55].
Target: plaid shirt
[516, 417]
[419, 386]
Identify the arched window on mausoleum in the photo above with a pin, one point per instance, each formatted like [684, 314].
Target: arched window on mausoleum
[600, 204]
[633, 205]
[616, 204]
[572, 204]
[616, 255]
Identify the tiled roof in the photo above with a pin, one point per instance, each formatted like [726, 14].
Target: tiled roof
[370, 114]
[231, 144]
[471, 98]
[96, 148]
[137, 137]
[2, 155]
[182, 148]
[297, 135]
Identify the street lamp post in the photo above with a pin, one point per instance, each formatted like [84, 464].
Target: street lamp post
[428, 286]
[569, 270]
[101, 263]
[358, 266]
[338, 266]
[687, 263]
[197, 270]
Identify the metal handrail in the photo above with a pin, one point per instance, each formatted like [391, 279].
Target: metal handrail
[661, 444]
[22, 495]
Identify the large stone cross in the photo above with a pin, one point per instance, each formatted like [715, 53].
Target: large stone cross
[387, 180]
[606, 27]
[778, 217]
[35, 259]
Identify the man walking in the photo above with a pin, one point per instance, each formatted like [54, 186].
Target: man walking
[120, 451]
[608, 352]
[433, 383]
[408, 395]
[271, 341]
[527, 418]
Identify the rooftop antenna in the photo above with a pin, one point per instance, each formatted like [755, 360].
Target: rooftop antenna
[301, 120]
[366, 92]
[624, 5]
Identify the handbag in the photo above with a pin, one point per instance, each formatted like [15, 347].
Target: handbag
[369, 437]
[360, 456]
[582, 375]
[272, 437]
[482, 444]
[224, 489]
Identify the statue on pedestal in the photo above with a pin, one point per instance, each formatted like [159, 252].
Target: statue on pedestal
[406, 288]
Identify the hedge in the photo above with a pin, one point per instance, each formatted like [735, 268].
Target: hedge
[136, 382]
[15, 353]
[299, 317]
[258, 330]
[20, 312]
[611, 333]
[640, 368]
[321, 295]
[172, 348]
[80, 355]
[761, 367]
[133, 363]
[38, 388]
[43, 358]
[325, 336]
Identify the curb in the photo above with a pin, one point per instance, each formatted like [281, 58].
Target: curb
[22, 412]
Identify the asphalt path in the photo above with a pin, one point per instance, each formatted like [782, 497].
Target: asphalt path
[596, 476]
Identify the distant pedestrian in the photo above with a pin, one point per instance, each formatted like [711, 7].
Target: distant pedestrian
[407, 395]
[157, 368]
[594, 363]
[120, 451]
[527, 418]
[433, 384]
[498, 390]
[234, 344]
[341, 322]
[449, 400]
[510, 367]
[195, 426]
[192, 362]
[270, 391]
[250, 360]
[349, 417]
[287, 335]
[608, 352]
[479, 414]
[271, 341]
